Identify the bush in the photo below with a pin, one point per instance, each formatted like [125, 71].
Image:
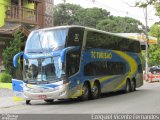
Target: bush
[12, 49]
[5, 78]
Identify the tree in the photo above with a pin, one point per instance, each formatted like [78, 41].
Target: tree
[8, 54]
[154, 57]
[157, 7]
[67, 14]
[92, 16]
[71, 14]
[146, 3]
[120, 24]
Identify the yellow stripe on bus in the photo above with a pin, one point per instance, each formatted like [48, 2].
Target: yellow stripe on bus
[132, 65]
[102, 79]
[16, 99]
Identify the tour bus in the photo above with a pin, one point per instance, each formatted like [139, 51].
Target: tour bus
[77, 62]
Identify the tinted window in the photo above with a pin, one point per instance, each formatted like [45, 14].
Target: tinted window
[73, 62]
[75, 37]
[95, 68]
[140, 68]
[104, 68]
[106, 41]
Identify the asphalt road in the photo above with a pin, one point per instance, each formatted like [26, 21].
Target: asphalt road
[145, 100]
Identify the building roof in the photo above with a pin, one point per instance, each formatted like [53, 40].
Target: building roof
[9, 28]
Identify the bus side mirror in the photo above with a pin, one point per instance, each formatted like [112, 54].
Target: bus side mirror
[15, 58]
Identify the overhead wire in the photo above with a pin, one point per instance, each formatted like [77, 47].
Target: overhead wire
[118, 11]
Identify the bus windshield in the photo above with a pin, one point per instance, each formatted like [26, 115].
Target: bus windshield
[46, 40]
[43, 69]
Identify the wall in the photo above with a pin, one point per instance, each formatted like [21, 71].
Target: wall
[3, 10]
[48, 13]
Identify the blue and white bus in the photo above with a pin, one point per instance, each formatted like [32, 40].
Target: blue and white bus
[75, 61]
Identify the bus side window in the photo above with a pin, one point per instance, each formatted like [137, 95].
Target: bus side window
[96, 68]
[116, 68]
[140, 68]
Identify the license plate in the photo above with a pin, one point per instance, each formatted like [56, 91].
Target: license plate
[42, 96]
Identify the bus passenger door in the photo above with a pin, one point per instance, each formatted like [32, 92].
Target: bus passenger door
[72, 68]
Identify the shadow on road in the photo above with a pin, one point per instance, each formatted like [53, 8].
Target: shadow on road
[77, 100]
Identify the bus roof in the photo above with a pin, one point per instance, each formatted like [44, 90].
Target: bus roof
[86, 28]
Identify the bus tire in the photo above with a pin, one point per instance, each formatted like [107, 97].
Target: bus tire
[49, 100]
[85, 92]
[28, 102]
[95, 92]
[133, 85]
[128, 86]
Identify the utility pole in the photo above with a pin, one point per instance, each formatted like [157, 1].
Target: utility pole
[147, 40]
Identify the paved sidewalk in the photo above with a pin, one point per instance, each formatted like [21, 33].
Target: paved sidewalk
[6, 98]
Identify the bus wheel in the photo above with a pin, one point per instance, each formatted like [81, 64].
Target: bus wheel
[85, 92]
[49, 100]
[95, 91]
[133, 85]
[128, 86]
[28, 102]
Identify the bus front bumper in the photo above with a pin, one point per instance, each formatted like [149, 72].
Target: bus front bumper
[60, 92]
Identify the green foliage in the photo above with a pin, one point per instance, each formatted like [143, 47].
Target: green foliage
[146, 3]
[8, 54]
[154, 56]
[91, 16]
[5, 78]
[66, 14]
[70, 14]
[157, 7]
[120, 24]
[155, 31]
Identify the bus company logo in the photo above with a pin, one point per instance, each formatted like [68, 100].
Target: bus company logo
[101, 55]
[40, 55]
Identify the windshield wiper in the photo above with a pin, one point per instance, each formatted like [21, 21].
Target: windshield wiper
[35, 52]
[31, 82]
[42, 82]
